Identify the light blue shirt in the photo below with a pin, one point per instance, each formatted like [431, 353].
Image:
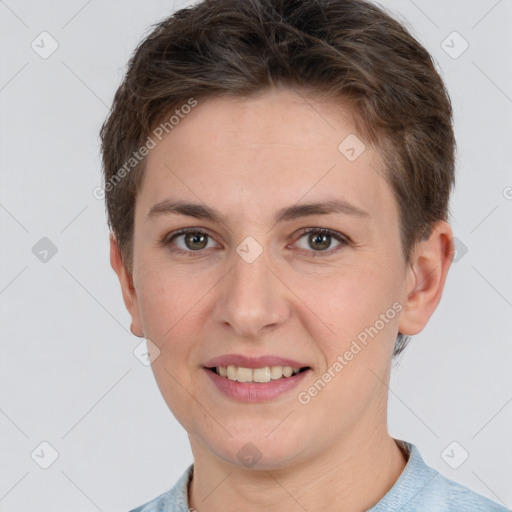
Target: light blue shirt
[419, 488]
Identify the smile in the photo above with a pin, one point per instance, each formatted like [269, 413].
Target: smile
[264, 374]
[252, 390]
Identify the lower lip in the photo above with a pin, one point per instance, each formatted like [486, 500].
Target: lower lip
[255, 391]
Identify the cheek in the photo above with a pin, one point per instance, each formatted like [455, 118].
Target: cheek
[362, 313]
[352, 298]
[168, 297]
[170, 306]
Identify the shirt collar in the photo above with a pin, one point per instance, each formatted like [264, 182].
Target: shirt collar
[414, 478]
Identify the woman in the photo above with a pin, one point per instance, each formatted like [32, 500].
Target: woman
[277, 178]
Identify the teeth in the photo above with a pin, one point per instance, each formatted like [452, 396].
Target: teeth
[287, 371]
[260, 374]
[243, 374]
[265, 374]
[276, 372]
[231, 373]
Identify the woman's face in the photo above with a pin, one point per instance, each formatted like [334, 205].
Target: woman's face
[255, 285]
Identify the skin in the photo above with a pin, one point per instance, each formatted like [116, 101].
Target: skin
[247, 158]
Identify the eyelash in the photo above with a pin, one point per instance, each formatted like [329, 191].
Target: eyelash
[344, 240]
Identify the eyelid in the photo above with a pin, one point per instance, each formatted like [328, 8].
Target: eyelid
[315, 229]
[343, 240]
[167, 239]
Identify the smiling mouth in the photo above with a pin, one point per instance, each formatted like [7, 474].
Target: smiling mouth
[264, 374]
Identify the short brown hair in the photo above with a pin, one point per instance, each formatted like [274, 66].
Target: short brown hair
[349, 50]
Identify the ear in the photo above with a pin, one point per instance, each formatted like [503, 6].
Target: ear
[426, 277]
[129, 293]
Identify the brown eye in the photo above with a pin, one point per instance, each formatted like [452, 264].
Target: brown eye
[320, 240]
[187, 241]
[195, 240]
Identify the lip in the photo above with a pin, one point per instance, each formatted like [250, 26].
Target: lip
[252, 362]
[255, 391]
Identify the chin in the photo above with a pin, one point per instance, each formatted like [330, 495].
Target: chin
[259, 451]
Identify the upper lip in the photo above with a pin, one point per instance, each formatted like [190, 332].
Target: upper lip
[252, 362]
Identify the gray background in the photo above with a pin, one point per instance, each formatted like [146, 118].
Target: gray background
[67, 372]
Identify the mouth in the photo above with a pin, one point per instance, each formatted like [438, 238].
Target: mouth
[249, 379]
[257, 375]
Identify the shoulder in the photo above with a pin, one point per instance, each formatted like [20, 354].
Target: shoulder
[421, 488]
[173, 500]
[444, 494]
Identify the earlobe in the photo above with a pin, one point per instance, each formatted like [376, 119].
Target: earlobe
[127, 287]
[426, 278]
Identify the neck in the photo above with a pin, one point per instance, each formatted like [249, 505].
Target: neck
[352, 476]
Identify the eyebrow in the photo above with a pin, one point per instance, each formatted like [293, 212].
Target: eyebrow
[297, 211]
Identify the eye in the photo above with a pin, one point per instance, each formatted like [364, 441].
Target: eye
[194, 241]
[320, 239]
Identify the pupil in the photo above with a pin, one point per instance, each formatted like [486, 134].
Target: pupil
[193, 238]
[325, 244]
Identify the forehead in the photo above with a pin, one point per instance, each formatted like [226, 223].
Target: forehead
[257, 155]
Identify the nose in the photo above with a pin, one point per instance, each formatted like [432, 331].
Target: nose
[252, 300]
